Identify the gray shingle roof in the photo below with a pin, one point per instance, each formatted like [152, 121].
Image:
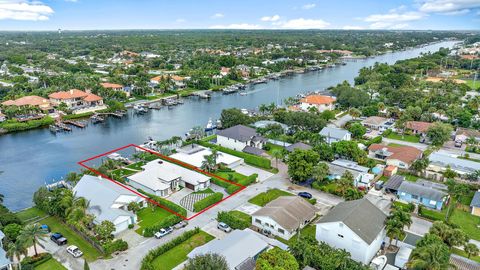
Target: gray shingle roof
[394, 182]
[298, 145]
[457, 164]
[361, 216]
[476, 200]
[240, 133]
[421, 191]
[336, 133]
[253, 150]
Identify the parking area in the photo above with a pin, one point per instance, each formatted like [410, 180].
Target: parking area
[212, 229]
[249, 170]
[248, 208]
[60, 254]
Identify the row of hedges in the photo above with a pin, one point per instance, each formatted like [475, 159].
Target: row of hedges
[430, 214]
[244, 182]
[170, 205]
[206, 202]
[14, 125]
[36, 261]
[77, 116]
[166, 222]
[250, 159]
[117, 245]
[407, 207]
[236, 220]
[147, 262]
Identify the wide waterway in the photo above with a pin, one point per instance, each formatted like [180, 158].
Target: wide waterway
[32, 158]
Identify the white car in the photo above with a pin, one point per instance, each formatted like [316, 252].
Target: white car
[163, 232]
[74, 251]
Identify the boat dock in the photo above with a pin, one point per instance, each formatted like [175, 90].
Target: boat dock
[79, 124]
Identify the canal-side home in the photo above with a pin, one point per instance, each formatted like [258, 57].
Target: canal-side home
[320, 102]
[162, 178]
[115, 87]
[333, 134]
[424, 194]
[43, 104]
[241, 138]
[194, 155]
[108, 201]
[78, 101]
[356, 226]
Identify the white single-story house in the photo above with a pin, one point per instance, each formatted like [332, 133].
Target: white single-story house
[463, 134]
[194, 155]
[162, 178]
[361, 176]
[240, 137]
[284, 216]
[108, 201]
[357, 226]
[439, 162]
[332, 134]
[239, 248]
[377, 123]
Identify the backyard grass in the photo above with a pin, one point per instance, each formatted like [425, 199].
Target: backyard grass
[265, 197]
[467, 222]
[308, 230]
[89, 252]
[30, 214]
[137, 165]
[232, 176]
[51, 264]
[178, 254]
[123, 172]
[241, 215]
[464, 254]
[406, 138]
[273, 147]
[409, 177]
[470, 83]
[148, 217]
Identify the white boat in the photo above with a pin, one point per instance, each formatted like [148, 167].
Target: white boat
[378, 263]
[210, 126]
[243, 94]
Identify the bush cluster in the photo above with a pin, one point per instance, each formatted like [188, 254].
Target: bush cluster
[117, 245]
[166, 222]
[234, 220]
[37, 260]
[14, 125]
[206, 202]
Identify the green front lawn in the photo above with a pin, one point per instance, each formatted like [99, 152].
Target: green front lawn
[30, 214]
[51, 264]
[150, 216]
[308, 230]
[265, 197]
[232, 176]
[178, 254]
[123, 172]
[467, 222]
[406, 138]
[89, 252]
[409, 177]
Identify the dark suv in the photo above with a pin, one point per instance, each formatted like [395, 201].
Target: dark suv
[58, 239]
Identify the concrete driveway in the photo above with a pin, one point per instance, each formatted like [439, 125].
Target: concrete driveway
[419, 226]
[249, 170]
[212, 229]
[61, 255]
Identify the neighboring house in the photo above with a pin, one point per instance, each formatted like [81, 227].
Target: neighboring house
[321, 103]
[390, 170]
[108, 201]
[240, 137]
[298, 145]
[77, 100]
[357, 226]
[475, 204]
[439, 162]
[417, 127]
[462, 134]
[394, 183]
[333, 134]
[361, 177]
[162, 178]
[31, 101]
[115, 87]
[178, 81]
[419, 193]
[399, 156]
[5, 263]
[224, 71]
[284, 216]
[194, 154]
[376, 123]
[239, 248]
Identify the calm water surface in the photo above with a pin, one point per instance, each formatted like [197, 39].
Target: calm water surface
[32, 158]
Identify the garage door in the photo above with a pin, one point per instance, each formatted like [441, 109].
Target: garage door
[190, 186]
[121, 226]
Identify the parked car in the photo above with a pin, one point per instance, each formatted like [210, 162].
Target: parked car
[58, 239]
[45, 228]
[181, 224]
[266, 232]
[74, 251]
[163, 232]
[458, 144]
[379, 185]
[305, 195]
[224, 227]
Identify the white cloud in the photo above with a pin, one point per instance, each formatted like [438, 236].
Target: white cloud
[72, 1]
[217, 16]
[236, 26]
[309, 6]
[273, 18]
[456, 12]
[24, 10]
[302, 23]
[395, 17]
[180, 20]
[352, 27]
[443, 6]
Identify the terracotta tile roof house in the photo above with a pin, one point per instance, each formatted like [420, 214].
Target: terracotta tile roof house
[400, 156]
[320, 102]
[418, 127]
[111, 85]
[35, 101]
[178, 80]
[77, 100]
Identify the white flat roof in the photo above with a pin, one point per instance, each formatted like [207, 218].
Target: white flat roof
[158, 173]
[198, 157]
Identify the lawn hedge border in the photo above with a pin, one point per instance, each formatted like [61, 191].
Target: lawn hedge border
[206, 202]
[233, 220]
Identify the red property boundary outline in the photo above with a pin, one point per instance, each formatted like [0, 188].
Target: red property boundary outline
[172, 160]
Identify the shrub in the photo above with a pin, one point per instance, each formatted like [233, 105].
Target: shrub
[166, 222]
[377, 139]
[14, 125]
[117, 245]
[130, 226]
[37, 260]
[236, 220]
[404, 206]
[170, 205]
[154, 253]
[206, 202]
[77, 116]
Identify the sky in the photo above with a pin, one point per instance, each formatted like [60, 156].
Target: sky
[239, 14]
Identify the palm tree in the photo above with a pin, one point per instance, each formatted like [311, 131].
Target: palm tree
[16, 250]
[431, 257]
[263, 108]
[471, 249]
[277, 154]
[30, 235]
[354, 112]
[320, 171]
[394, 229]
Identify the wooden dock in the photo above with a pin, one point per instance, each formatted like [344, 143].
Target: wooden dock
[79, 124]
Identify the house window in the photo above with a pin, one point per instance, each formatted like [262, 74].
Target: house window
[415, 197]
[432, 202]
[281, 231]
[340, 235]
[258, 221]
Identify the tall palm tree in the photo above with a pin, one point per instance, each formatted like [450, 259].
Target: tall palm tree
[431, 257]
[277, 154]
[16, 250]
[30, 235]
[394, 229]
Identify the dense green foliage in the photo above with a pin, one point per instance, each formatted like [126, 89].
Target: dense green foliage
[208, 201]
[276, 258]
[235, 219]
[14, 125]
